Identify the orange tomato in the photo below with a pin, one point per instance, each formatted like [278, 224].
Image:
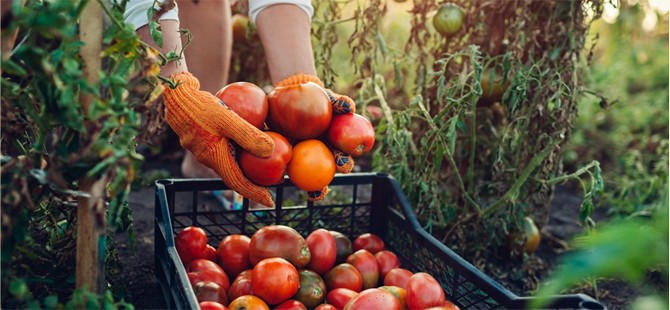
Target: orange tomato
[248, 302]
[312, 166]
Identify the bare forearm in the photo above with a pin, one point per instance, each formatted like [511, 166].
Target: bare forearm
[171, 42]
[284, 30]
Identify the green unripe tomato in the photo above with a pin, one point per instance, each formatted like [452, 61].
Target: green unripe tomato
[449, 19]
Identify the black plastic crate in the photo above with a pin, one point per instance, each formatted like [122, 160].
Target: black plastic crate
[358, 203]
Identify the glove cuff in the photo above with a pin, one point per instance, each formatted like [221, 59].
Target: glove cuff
[299, 78]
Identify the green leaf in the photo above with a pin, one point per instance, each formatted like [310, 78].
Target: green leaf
[156, 34]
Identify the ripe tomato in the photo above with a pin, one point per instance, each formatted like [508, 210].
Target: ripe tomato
[300, 111]
[325, 307]
[448, 305]
[312, 166]
[374, 298]
[386, 260]
[248, 302]
[247, 100]
[279, 241]
[323, 250]
[370, 242]
[191, 243]
[449, 19]
[206, 270]
[340, 297]
[351, 133]
[344, 275]
[423, 291]
[274, 280]
[366, 264]
[210, 253]
[266, 171]
[397, 277]
[241, 285]
[290, 304]
[398, 292]
[343, 246]
[532, 235]
[210, 291]
[211, 305]
[233, 254]
[312, 289]
[239, 24]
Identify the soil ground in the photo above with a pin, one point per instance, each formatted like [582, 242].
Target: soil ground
[137, 284]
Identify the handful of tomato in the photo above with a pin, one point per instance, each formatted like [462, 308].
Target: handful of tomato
[277, 268]
[305, 130]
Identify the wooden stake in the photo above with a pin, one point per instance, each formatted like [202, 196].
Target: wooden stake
[91, 29]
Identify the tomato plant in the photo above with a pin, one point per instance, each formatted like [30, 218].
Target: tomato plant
[233, 254]
[493, 87]
[344, 275]
[386, 260]
[210, 291]
[312, 289]
[342, 245]
[373, 298]
[397, 277]
[248, 302]
[423, 291]
[312, 166]
[449, 19]
[279, 241]
[323, 250]
[340, 297]
[274, 280]
[247, 100]
[370, 242]
[300, 111]
[366, 264]
[351, 133]
[270, 170]
[191, 243]
[241, 285]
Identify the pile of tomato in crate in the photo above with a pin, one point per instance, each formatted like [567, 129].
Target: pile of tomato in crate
[280, 269]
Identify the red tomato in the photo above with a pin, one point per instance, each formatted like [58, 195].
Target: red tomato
[397, 277]
[233, 254]
[351, 133]
[191, 243]
[325, 307]
[247, 100]
[366, 264]
[423, 291]
[398, 292]
[448, 305]
[312, 166]
[210, 253]
[344, 275]
[339, 297]
[248, 302]
[370, 242]
[290, 304]
[386, 260]
[210, 291]
[207, 270]
[201, 264]
[267, 171]
[374, 298]
[212, 305]
[323, 250]
[300, 111]
[274, 280]
[241, 285]
[343, 245]
[279, 241]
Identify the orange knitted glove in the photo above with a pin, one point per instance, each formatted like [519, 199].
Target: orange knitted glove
[204, 125]
[341, 104]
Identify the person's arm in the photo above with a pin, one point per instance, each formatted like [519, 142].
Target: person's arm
[171, 42]
[284, 30]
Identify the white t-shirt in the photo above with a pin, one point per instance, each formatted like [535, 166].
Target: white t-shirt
[136, 10]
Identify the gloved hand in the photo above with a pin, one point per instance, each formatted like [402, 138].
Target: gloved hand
[204, 126]
[341, 104]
